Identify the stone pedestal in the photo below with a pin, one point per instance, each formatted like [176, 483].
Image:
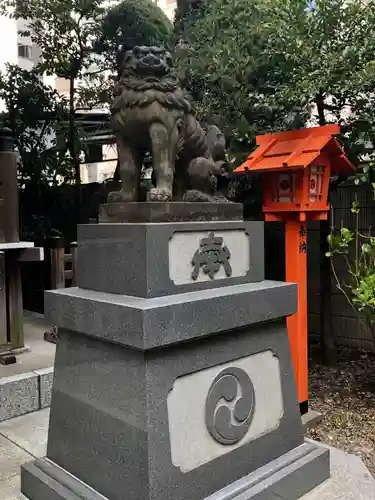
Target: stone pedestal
[173, 375]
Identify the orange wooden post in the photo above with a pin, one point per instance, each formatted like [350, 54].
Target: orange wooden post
[296, 272]
[296, 167]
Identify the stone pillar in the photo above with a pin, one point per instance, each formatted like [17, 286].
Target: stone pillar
[173, 375]
[13, 251]
[9, 214]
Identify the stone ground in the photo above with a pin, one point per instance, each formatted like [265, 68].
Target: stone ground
[21, 440]
[350, 480]
[25, 437]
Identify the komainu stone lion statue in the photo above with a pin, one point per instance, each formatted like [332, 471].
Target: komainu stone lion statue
[151, 112]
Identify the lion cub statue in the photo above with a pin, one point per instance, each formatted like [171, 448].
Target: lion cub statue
[150, 112]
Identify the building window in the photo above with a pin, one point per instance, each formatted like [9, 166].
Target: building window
[24, 51]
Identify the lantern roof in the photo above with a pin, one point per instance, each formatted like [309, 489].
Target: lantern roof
[297, 149]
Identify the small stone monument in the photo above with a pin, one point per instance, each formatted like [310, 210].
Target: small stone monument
[173, 374]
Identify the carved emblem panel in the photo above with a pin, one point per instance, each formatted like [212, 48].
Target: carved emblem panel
[199, 256]
[216, 410]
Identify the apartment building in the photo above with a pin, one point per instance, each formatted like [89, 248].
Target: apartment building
[168, 6]
[8, 42]
[16, 49]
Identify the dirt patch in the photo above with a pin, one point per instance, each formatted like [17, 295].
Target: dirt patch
[345, 395]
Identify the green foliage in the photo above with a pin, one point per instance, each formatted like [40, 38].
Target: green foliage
[35, 111]
[339, 243]
[128, 23]
[263, 65]
[186, 13]
[78, 41]
[364, 295]
[357, 252]
[218, 48]
[65, 32]
[133, 22]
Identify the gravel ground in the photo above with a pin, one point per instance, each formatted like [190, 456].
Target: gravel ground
[345, 395]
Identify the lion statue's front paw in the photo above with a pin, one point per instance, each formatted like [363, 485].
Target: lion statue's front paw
[193, 195]
[159, 194]
[121, 196]
[114, 197]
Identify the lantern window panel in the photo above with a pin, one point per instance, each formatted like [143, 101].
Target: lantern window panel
[316, 182]
[284, 188]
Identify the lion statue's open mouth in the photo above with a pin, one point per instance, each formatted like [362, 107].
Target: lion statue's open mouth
[152, 65]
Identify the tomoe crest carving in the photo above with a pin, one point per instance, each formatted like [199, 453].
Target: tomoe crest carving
[230, 406]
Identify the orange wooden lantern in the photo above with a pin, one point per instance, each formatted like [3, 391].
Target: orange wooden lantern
[296, 168]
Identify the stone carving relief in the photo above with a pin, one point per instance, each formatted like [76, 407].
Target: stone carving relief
[230, 406]
[210, 256]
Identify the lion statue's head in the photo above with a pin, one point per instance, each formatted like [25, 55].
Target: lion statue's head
[150, 66]
[147, 75]
[147, 62]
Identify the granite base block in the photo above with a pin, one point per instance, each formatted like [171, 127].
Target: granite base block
[92, 404]
[19, 394]
[44, 480]
[289, 477]
[123, 212]
[311, 419]
[155, 260]
[161, 321]
[25, 393]
[45, 386]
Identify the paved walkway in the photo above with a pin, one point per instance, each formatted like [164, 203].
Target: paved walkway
[350, 480]
[25, 437]
[21, 440]
[41, 355]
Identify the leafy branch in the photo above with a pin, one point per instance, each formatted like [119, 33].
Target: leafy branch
[357, 251]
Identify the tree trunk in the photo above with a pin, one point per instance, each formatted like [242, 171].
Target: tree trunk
[327, 338]
[183, 6]
[74, 154]
[320, 107]
[116, 175]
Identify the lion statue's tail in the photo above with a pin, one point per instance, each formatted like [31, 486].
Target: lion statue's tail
[193, 141]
